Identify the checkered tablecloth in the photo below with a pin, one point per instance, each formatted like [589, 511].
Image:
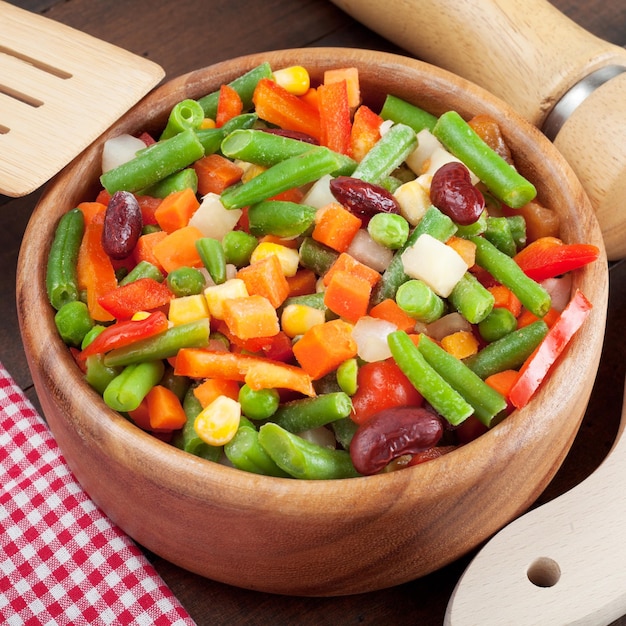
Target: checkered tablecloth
[62, 561]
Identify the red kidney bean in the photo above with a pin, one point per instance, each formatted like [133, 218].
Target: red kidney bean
[122, 225]
[392, 433]
[363, 199]
[293, 134]
[452, 192]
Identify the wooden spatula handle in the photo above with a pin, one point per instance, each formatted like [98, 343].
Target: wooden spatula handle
[530, 55]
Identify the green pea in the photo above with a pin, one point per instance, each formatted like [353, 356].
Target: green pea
[73, 322]
[347, 376]
[238, 247]
[389, 230]
[258, 404]
[91, 335]
[185, 281]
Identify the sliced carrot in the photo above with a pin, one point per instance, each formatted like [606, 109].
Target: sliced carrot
[266, 278]
[90, 209]
[276, 105]
[290, 195]
[144, 249]
[176, 209]
[250, 317]
[212, 388]
[178, 249]
[216, 173]
[465, 248]
[324, 347]
[310, 97]
[347, 263]
[141, 416]
[302, 283]
[526, 317]
[95, 271]
[351, 76]
[229, 105]
[335, 118]
[502, 381]
[389, 311]
[165, 409]
[460, 344]
[335, 226]
[365, 132]
[505, 298]
[269, 375]
[148, 205]
[348, 295]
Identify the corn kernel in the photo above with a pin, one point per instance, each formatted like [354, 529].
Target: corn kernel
[216, 294]
[288, 257]
[140, 315]
[296, 319]
[294, 79]
[460, 344]
[217, 423]
[188, 309]
[252, 171]
[207, 122]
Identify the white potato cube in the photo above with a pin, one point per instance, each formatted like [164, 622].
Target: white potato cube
[414, 200]
[213, 219]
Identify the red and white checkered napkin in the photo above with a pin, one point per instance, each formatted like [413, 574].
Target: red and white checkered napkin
[62, 561]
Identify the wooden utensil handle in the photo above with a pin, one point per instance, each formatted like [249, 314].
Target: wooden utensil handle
[530, 55]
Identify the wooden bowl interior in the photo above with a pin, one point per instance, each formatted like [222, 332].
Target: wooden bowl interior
[320, 537]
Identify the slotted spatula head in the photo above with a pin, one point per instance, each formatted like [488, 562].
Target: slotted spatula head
[59, 90]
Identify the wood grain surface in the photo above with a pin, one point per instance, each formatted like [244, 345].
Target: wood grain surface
[189, 34]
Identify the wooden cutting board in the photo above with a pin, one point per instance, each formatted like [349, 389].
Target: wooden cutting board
[59, 90]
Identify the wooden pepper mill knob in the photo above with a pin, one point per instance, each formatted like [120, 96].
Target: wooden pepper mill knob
[563, 79]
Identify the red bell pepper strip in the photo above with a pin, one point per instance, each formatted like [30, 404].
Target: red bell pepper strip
[541, 360]
[143, 294]
[335, 119]
[548, 257]
[125, 333]
[229, 105]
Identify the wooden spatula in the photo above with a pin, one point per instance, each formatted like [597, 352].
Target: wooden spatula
[59, 90]
[560, 564]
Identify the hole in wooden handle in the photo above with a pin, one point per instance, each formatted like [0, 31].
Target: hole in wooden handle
[544, 572]
[38, 63]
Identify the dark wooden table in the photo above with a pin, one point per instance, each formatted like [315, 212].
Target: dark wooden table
[188, 34]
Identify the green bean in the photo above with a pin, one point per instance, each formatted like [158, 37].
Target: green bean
[258, 404]
[266, 149]
[498, 232]
[178, 385]
[435, 223]
[244, 85]
[486, 401]
[387, 154]
[389, 230]
[154, 163]
[507, 353]
[497, 324]
[316, 256]
[303, 459]
[238, 247]
[417, 299]
[126, 391]
[472, 230]
[307, 413]
[401, 111]
[61, 278]
[97, 374]
[503, 180]
[143, 269]
[437, 391]
[280, 218]
[162, 346]
[185, 281]
[185, 114]
[95, 330]
[187, 438]
[246, 453]
[344, 430]
[517, 225]
[213, 258]
[73, 322]
[211, 138]
[177, 181]
[506, 271]
[293, 172]
[471, 299]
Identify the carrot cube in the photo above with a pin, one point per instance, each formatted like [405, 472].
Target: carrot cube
[178, 249]
[176, 209]
[389, 311]
[215, 173]
[347, 263]
[249, 317]
[348, 295]
[335, 226]
[266, 278]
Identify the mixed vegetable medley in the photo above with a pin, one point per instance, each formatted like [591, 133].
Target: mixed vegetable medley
[292, 283]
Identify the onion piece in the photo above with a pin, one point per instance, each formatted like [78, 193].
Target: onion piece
[119, 150]
[446, 325]
[370, 335]
[364, 249]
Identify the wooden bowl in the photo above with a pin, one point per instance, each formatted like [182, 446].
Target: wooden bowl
[317, 538]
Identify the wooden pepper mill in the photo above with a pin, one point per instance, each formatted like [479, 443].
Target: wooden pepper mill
[560, 77]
